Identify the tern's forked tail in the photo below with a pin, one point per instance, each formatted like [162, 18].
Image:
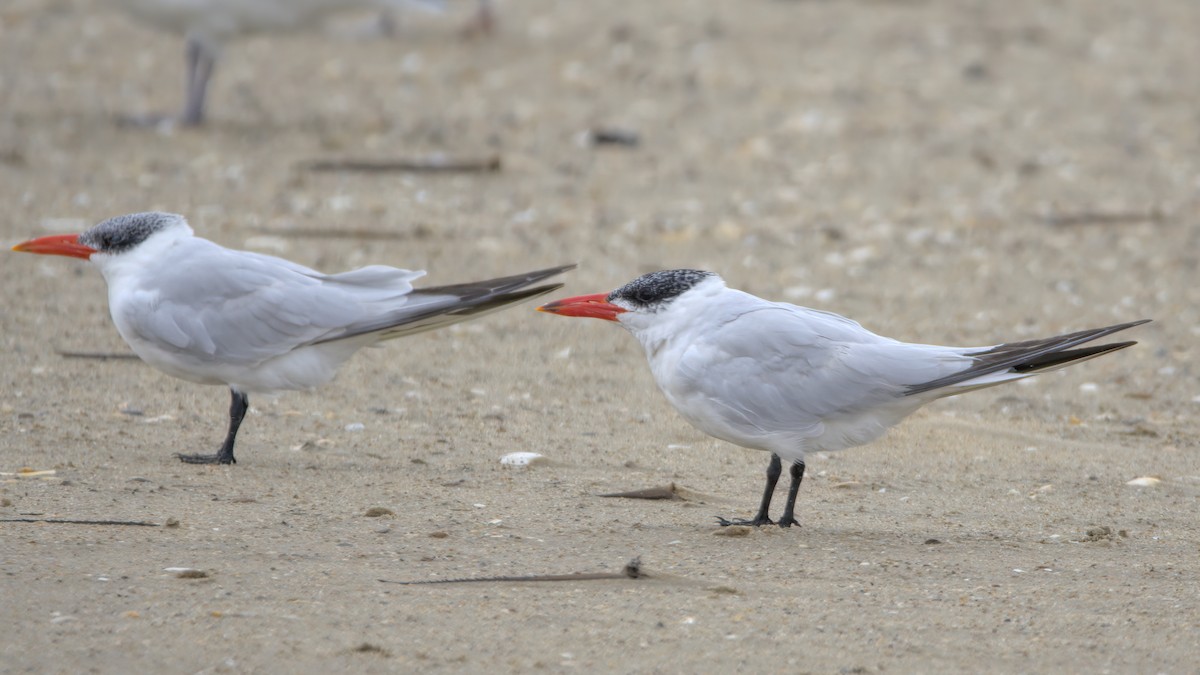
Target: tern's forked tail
[1023, 359]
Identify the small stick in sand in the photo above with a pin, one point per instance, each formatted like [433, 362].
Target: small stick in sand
[1104, 218]
[632, 570]
[433, 164]
[667, 491]
[357, 233]
[71, 521]
[99, 356]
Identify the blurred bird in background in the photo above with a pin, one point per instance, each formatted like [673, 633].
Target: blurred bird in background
[208, 25]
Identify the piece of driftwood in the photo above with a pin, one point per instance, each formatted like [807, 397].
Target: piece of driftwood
[668, 491]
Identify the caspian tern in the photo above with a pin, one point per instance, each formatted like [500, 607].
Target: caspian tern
[257, 323]
[208, 25]
[789, 380]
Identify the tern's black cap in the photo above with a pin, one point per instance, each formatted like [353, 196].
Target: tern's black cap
[658, 288]
[124, 233]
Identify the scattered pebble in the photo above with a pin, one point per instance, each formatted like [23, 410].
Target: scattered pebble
[1103, 533]
[355, 426]
[614, 136]
[377, 511]
[368, 648]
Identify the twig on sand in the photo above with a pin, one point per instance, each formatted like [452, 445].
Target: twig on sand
[632, 570]
[667, 491]
[99, 356]
[71, 521]
[1104, 218]
[358, 233]
[432, 164]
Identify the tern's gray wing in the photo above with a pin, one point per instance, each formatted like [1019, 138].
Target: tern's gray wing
[211, 304]
[781, 371]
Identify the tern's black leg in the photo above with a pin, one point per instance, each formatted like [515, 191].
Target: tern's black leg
[789, 511]
[200, 64]
[237, 411]
[774, 469]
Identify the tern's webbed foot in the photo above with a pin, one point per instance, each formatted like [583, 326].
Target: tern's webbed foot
[788, 521]
[756, 522]
[217, 458]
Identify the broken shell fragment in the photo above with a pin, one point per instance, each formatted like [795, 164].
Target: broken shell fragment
[521, 459]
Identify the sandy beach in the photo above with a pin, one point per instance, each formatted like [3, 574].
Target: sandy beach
[945, 172]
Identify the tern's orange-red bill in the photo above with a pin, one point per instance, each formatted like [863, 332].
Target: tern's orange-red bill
[56, 244]
[594, 306]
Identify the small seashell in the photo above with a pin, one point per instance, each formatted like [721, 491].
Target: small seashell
[26, 472]
[1144, 481]
[521, 458]
[187, 572]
